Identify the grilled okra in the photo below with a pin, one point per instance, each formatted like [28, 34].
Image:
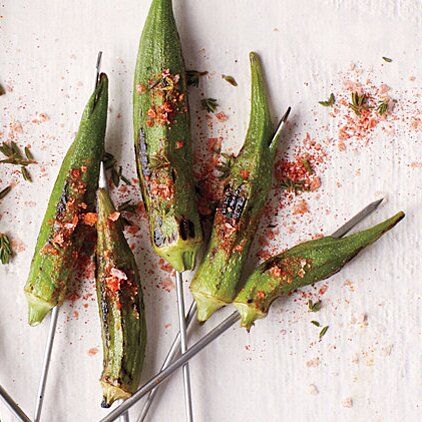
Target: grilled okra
[237, 216]
[121, 306]
[71, 202]
[162, 140]
[301, 265]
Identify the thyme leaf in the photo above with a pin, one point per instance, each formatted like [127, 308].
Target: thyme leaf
[5, 191]
[314, 307]
[14, 155]
[359, 103]
[2, 90]
[25, 174]
[5, 249]
[388, 60]
[307, 166]
[323, 332]
[229, 79]
[382, 107]
[330, 102]
[193, 76]
[316, 323]
[209, 104]
[110, 163]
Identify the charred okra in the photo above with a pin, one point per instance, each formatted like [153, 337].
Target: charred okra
[121, 307]
[69, 209]
[237, 216]
[162, 140]
[301, 265]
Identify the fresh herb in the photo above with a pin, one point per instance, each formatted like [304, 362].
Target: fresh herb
[229, 79]
[14, 155]
[158, 161]
[292, 186]
[225, 167]
[110, 163]
[316, 323]
[127, 206]
[193, 77]
[359, 103]
[386, 59]
[28, 154]
[307, 166]
[25, 174]
[323, 332]
[5, 191]
[209, 104]
[314, 307]
[2, 90]
[5, 249]
[330, 102]
[382, 107]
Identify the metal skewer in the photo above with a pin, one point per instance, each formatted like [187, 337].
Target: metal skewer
[174, 349]
[184, 346]
[216, 332]
[53, 320]
[13, 406]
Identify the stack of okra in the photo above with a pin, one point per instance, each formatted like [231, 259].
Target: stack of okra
[163, 157]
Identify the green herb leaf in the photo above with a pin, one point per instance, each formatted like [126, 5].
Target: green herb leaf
[14, 155]
[110, 163]
[209, 104]
[2, 90]
[28, 154]
[307, 166]
[323, 332]
[386, 59]
[225, 165]
[193, 76]
[382, 107]
[289, 185]
[359, 103]
[25, 174]
[127, 206]
[5, 191]
[314, 307]
[5, 249]
[330, 102]
[229, 79]
[316, 323]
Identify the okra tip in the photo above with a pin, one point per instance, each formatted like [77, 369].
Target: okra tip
[248, 315]
[206, 305]
[37, 309]
[112, 393]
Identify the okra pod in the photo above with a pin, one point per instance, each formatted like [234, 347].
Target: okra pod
[121, 307]
[300, 266]
[238, 213]
[72, 200]
[162, 140]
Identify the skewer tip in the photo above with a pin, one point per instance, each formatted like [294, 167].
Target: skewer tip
[102, 180]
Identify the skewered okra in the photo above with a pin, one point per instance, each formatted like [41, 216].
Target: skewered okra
[70, 206]
[301, 265]
[237, 216]
[162, 140]
[121, 307]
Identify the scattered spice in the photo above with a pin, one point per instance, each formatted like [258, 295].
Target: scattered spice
[193, 77]
[5, 249]
[5, 191]
[209, 104]
[388, 60]
[323, 332]
[229, 79]
[314, 307]
[330, 102]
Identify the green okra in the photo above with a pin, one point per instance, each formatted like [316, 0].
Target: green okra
[162, 140]
[73, 196]
[122, 313]
[237, 216]
[300, 266]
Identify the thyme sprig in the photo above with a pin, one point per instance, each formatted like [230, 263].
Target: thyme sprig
[314, 307]
[14, 156]
[193, 76]
[110, 163]
[382, 107]
[359, 103]
[330, 102]
[209, 104]
[5, 249]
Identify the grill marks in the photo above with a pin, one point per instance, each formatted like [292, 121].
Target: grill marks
[233, 204]
[142, 151]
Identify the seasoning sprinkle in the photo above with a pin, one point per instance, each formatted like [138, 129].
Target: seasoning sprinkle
[209, 104]
[229, 79]
[330, 102]
[5, 249]
[323, 332]
[316, 323]
[388, 60]
[314, 307]
[193, 76]
[5, 191]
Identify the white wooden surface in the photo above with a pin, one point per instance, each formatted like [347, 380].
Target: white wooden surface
[368, 366]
